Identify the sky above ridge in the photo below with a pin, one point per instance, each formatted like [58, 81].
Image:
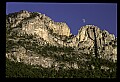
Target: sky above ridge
[103, 15]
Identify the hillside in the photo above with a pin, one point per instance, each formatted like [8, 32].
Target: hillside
[37, 46]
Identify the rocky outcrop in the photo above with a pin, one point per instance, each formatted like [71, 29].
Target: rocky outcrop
[104, 40]
[20, 54]
[38, 24]
[60, 28]
[89, 39]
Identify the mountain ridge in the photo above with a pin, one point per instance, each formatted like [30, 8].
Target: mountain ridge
[35, 39]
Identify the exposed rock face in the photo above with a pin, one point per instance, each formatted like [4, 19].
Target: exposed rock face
[104, 40]
[46, 31]
[20, 54]
[60, 28]
[37, 23]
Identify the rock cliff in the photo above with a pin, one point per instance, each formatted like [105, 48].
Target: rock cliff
[32, 31]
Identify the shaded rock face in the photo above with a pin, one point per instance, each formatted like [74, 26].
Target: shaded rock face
[57, 34]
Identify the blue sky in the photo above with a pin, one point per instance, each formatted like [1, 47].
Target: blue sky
[103, 15]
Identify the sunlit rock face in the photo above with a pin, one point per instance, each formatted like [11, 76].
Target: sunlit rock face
[105, 41]
[46, 31]
[60, 28]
